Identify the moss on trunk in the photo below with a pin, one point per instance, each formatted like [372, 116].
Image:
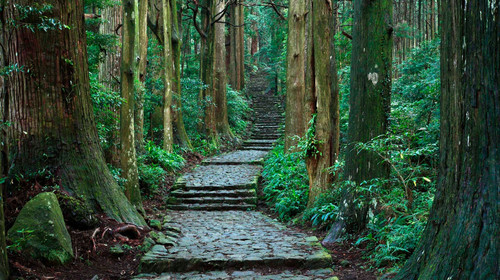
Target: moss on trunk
[461, 237]
[50, 109]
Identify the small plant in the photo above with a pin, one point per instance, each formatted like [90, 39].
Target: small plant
[238, 111]
[155, 155]
[286, 184]
[24, 236]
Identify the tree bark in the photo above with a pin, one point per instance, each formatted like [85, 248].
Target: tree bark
[4, 263]
[220, 80]
[207, 55]
[129, 69]
[168, 78]
[141, 74]
[324, 102]
[180, 131]
[295, 123]
[51, 111]
[369, 102]
[237, 45]
[109, 75]
[461, 237]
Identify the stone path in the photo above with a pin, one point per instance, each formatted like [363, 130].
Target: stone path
[214, 233]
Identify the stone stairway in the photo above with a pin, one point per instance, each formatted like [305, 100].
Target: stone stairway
[267, 123]
[225, 182]
[220, 236]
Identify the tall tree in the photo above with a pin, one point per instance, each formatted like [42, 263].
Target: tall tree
[141, 73]
[129, 68]
[295, 115]
[4, 264]
[168, 77]
[109, 74]
[212, 67]
[461, 237]
[369, 102]
[237, 45]
[180, 130]
[49, 105]
[219, 71]
[322, 98]
[155, 23]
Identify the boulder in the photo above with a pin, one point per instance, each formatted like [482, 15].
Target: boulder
[40, 230]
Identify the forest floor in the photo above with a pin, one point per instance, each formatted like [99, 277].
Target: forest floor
[96, 258]
[97, 261]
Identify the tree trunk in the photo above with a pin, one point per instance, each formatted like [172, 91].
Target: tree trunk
[461, 237]
[237, 30]
[4, 263]
[109, 75]
[207, 54]
[141, 74]
[369, 102]
[255, 38]
[220, 80]
[325, 100]
[129, 69]
[51, 111]
[180, 131]
[168, 78]
[295, 124]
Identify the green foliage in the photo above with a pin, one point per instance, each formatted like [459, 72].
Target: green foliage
[238, 111]
[24, 235]
[151, 177]
[309, 143]
[106, 103]
[154, 165]
[155, 155]
[37, 17]
[286, 184]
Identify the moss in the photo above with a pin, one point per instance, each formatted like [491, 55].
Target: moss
[76, 213]
[40, 230]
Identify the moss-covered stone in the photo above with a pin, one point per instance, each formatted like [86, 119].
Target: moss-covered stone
[155, 224]
[40, 230]
[76, 213]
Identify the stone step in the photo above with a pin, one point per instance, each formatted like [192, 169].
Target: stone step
[307, 274]
[264, 126]
[212, 207]
[269, 144]
[215, 200]
[258, 142]
[221, 193]
[264, 119]
[261, 148]
[236, 157]
[234, 240]
[248, 186]
[266, 136]
[264, 130]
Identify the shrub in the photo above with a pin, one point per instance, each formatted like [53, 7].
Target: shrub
[155, 155]
[238, 111]
[286, 184]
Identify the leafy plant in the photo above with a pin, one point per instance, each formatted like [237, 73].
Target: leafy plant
[286, 184]
[238, 111]
[155, 155]
[24, 236]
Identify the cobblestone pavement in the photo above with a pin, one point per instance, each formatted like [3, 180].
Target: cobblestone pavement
[212, 240]
[234, 239]
[222, 175]
[246, 275]
[238, 157]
